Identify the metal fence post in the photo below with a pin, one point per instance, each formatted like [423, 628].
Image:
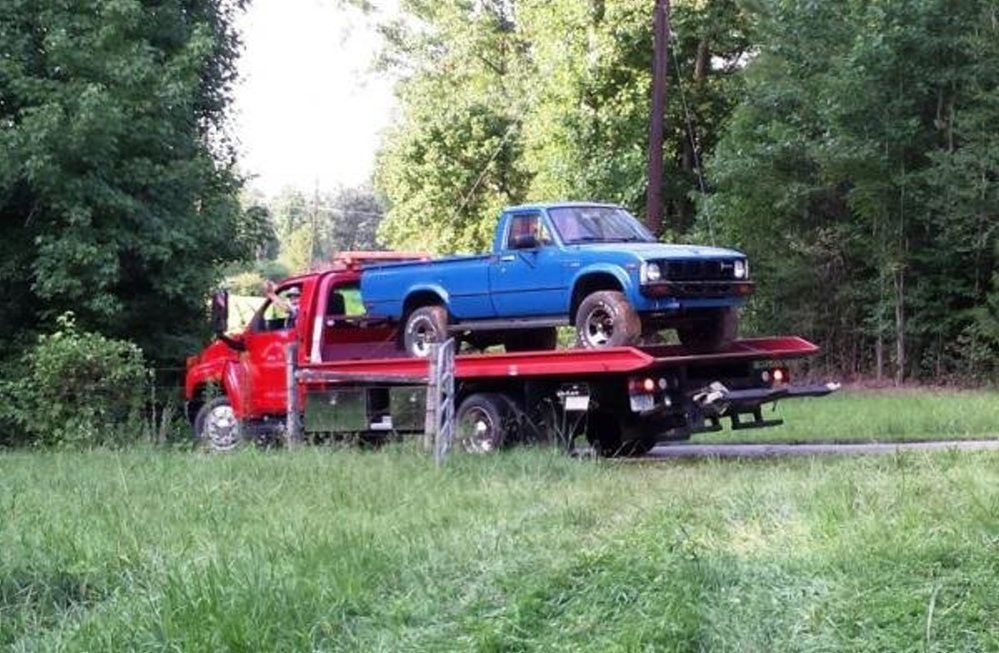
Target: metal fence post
[291, 426]
[443, 380]
[433, 400]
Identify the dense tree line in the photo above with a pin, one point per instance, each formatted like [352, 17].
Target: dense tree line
[117, 181]
[849, 147]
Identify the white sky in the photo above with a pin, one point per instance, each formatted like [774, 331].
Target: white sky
[308, 108]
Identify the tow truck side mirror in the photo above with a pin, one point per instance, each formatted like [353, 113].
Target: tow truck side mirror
[220, 312]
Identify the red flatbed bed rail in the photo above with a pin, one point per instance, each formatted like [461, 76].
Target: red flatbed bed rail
[578, 362]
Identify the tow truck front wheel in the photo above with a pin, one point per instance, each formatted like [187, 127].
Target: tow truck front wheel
[606, 319]
[425, 327]
[216, 427]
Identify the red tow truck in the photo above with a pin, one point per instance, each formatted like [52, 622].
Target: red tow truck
[349, 376]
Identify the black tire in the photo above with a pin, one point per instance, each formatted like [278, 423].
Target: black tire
[711, 331]
[484, 422]
[606, 319]
[216, 428]
[603, 432]
[544, 339]
[637, 447]
[424, 326]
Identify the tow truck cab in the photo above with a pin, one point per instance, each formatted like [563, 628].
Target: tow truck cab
[250, 368]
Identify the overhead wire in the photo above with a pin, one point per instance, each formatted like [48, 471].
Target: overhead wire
[693, 143]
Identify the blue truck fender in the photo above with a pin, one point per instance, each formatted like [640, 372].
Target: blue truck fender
[605, 269]
[425, 289]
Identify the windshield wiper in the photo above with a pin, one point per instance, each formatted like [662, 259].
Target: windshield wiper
[626, 239]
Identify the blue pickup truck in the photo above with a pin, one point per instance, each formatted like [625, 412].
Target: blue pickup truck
[593, 266]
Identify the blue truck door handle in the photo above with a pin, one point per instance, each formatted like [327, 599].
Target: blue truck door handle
[507, 258]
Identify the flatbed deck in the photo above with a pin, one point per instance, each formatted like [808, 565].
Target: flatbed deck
[576, 362]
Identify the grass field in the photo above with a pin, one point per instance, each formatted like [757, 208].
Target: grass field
[342, 549]
[880, 415]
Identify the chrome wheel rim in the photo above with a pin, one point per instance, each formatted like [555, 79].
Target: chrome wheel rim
[221, 430]
[599, 326]
[475, 431]
[424, 335]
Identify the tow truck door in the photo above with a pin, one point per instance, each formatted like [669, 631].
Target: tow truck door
[270, 332]
[527, 281]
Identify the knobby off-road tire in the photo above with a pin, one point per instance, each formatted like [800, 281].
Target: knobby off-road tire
[712, 330]
[424, 327]
[216, 428]
[484, 422]
[606, 319]
[531, 340]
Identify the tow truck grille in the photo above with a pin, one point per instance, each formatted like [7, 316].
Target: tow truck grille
[698, 270]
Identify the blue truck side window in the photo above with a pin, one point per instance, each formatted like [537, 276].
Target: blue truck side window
[527, 225]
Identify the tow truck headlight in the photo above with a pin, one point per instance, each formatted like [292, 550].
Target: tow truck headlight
[651, 272]
[741, 269]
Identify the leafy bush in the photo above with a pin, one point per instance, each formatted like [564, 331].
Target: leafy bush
[75, 388]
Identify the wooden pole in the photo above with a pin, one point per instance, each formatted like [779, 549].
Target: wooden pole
[657, 117]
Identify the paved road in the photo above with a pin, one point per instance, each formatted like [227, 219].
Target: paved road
[685, 450]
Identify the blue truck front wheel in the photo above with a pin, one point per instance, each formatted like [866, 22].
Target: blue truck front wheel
[607, 319]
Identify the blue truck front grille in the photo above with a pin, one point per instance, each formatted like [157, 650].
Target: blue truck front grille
[698, 270]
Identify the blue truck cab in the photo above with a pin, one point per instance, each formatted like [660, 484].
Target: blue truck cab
[592, 266]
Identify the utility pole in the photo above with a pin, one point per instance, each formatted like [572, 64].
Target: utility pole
[660, 52]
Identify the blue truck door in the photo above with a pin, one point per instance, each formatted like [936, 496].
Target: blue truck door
[527, 280]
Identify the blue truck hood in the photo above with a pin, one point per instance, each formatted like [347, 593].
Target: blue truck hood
[657, 251]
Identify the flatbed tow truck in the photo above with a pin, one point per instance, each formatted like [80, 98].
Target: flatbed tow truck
[346, 375]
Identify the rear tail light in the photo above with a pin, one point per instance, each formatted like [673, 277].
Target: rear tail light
[646, 385]
[775, 375]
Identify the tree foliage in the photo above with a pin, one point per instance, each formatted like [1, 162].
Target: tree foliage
[515, 100]
[860, 174]
[117, 192]
[454, 157]
[313, 227]
[851, 149]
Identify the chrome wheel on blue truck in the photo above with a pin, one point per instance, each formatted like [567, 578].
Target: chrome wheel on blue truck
[606, 319]
[425, 327]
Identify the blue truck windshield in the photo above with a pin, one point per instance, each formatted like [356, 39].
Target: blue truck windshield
[598, 224]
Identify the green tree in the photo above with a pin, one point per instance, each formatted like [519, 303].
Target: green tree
[510, 100]
[856, 173]
[587, 134]
[453, 160]
[117, 191]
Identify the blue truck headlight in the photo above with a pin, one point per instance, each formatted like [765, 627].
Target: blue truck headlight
[741, 269]
[651, 272]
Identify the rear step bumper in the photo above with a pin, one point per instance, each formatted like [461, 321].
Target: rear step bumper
[764, 395]
[745, 407]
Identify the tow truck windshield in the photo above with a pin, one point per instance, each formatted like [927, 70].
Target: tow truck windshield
[579, 225]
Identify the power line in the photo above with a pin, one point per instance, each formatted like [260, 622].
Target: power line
[693, 143]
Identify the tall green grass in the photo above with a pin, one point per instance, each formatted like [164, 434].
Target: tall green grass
[877, 416]
[325, 549]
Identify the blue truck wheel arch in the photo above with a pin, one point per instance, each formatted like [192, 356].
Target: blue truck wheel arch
[603, 272]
